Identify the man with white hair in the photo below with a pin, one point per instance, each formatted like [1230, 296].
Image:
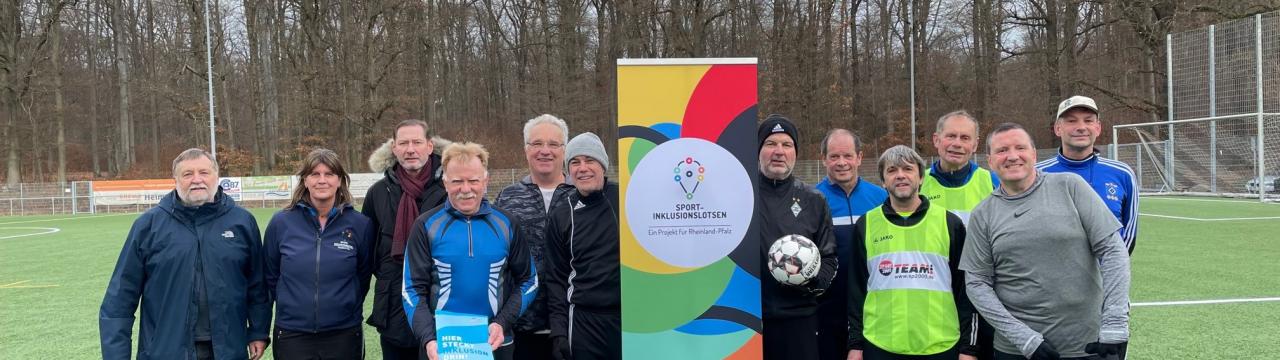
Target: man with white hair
[467, 257]
[194, 262]
[956, 183]
[529, 200]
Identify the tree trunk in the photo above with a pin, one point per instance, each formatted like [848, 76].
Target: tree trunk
[124, 153]
[156, 85]
[91, 28]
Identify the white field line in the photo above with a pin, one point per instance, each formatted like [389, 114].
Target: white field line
[66, 218]
[46, 231]
[1218, 219]
[1205, 302]
[18, 285]
[1173, 198]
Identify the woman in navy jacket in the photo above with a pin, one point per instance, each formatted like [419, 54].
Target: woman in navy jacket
[319, 254]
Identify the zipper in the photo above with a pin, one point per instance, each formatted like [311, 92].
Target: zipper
[199, 260]
[470, 245]
[848, 203]
[315, 319]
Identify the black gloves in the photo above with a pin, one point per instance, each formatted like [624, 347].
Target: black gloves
[1045, 352]
[560, 348]
[1104, 350]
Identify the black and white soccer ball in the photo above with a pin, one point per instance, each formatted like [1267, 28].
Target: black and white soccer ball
[794, 260]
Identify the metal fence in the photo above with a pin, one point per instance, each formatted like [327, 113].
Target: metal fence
[78, 197]
[1222, 135]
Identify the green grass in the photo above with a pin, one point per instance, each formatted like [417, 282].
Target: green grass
[61, 321]
[52, 310]
[1178, 259]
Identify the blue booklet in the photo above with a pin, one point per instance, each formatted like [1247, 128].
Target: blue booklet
[462, 336]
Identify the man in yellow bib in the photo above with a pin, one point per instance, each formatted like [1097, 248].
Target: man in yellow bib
[906, 295]
[956, 182]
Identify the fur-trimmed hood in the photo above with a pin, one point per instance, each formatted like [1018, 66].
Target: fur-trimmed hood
[383, 159]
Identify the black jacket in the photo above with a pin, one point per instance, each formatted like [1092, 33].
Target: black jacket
[785, 207]
[380, 207]
[859, 273]
[582, 239]
[523, 200]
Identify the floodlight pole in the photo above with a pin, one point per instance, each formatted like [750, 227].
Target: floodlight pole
[911, 56]
[208, 57]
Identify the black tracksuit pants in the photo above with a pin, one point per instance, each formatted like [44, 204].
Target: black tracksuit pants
[531, 345]
[595, 336]
[334, 344]
[791, 338]
[833, 329]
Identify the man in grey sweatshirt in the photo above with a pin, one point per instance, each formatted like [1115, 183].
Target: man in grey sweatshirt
[1043, 260]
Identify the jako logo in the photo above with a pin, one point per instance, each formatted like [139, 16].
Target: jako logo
[882, 238]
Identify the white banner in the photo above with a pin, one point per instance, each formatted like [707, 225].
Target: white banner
[360, 183]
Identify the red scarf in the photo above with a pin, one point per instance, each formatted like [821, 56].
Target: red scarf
[411, 187]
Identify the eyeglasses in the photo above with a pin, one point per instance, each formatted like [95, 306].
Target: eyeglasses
[544, 145]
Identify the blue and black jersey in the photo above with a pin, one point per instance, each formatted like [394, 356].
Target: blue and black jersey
[1112, 180]
[474, 264]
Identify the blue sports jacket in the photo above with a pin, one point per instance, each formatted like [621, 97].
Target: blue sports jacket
[845, 211]
[318, 278]
[1114, 183]
[157, 268]
[477, 264]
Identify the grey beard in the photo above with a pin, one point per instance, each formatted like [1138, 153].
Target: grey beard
[191, 203]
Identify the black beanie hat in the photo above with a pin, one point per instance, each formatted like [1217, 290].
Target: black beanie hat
[776, 124]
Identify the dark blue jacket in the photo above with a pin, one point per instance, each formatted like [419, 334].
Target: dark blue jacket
[318, 278]
[157, 267]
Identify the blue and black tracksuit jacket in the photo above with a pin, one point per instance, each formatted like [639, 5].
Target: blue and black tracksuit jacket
[473, 264]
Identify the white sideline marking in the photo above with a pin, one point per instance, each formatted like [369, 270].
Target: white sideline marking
[66, 218]
[1171, 198]
[1203, 302]
[46, 231]
[1220, 219]
[18, 285]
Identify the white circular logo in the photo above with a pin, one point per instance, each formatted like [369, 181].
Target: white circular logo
[689, 202]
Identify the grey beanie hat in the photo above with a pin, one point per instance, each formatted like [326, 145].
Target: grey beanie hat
[586, 144]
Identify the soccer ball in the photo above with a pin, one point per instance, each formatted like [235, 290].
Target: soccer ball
[794, 259]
